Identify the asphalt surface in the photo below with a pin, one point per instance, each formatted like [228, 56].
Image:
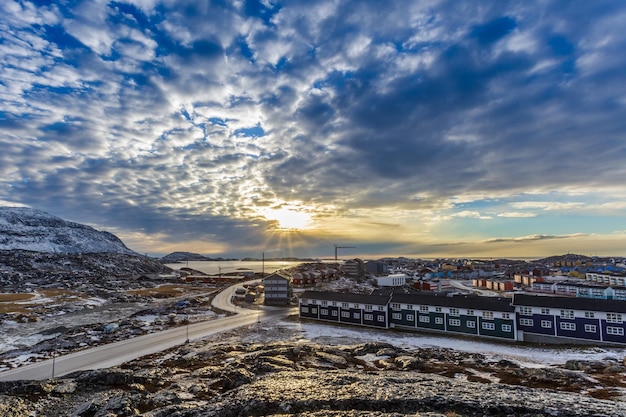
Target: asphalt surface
[114, 354]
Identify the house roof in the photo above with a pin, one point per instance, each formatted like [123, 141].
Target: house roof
[459, 301]
[573, 303]
[345, 297]
[277, 274]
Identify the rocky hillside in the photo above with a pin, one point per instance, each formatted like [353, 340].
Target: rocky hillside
[33, 230]
[34, 244]
[308, 379]
[175, 257]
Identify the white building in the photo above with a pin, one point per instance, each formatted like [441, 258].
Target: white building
[394, 280]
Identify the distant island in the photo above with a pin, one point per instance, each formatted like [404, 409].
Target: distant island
[180, 257]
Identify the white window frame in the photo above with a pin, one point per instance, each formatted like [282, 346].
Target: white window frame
[546, 324]
[590, 328]
[526, 311]
[566, 325]
[526, 322]
[489, 326]
[613, 318]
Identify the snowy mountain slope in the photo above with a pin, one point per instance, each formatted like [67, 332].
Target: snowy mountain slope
[33, 230]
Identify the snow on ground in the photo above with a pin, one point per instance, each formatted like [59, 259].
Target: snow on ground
[524, 355]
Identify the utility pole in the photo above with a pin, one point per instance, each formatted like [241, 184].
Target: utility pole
[341, 247]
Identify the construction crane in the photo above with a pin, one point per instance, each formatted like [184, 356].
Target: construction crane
[341, 247]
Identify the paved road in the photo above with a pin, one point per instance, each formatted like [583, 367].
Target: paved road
[123, 351]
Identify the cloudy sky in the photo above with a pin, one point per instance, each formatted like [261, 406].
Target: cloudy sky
[403, 128]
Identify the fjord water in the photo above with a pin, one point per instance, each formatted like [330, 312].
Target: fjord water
[214, 267]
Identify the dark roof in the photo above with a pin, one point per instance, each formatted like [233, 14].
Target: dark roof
[572, 303]
[459, 301]
[278, 274]
[345, 297]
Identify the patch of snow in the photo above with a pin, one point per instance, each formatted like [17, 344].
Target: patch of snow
[523, 355]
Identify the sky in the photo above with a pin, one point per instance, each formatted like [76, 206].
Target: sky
[397, 128]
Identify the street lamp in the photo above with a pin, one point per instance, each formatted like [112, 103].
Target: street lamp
[54, 354]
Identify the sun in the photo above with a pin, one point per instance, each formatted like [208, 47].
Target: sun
[288, 218]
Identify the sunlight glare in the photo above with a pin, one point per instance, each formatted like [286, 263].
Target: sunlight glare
[288, 218]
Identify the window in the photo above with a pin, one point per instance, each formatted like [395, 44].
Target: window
[304, 309]
[567, 314]
[409, 306]
[395, 306]
[368, 317]
[454, 312]
[324, 312]
[506, 328]
[368, 307]
[424, 319]
[488, 315]
[506, 316]
[489, 326]
[381, 318]
[345, 314]
[423, 309]
[396, 316]
[305, 301]
[334, 313]
[526, 311]
[613, 317]
[590, 328]
[438, 320]
[344, 305]
[438, 309]
[470, 312]
[471, 324]
[355, 306]
[616, 331]
[589, 314]
[324, 303]
[454, 322]
[410, 317]
[568, 326]
[526, 322]
[314, 310]
[334, 303]
[381, 308]
[546, 324]
[545, 311]
[357, 316]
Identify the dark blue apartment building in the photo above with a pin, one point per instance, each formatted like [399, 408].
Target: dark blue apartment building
[525, 317]
[549, 319]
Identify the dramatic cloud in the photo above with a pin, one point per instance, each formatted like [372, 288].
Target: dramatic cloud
[402, 128]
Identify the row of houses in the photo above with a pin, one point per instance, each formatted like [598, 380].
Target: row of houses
[523, 318]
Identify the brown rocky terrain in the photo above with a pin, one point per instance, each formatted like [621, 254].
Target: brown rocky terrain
[235, 377]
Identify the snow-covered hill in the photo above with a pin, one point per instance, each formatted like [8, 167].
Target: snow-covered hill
[33, 230]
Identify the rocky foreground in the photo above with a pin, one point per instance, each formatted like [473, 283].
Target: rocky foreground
[307, 379]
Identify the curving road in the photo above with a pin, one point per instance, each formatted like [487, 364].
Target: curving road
[114, 354]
